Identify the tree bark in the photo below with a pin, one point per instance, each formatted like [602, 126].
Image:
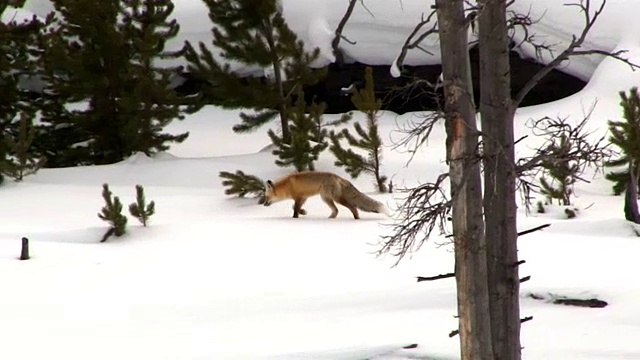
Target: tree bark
[631, 212]
[462, 143]
[499, 179]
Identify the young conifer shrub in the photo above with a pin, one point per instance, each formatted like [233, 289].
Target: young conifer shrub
[367, 138]
[112, 213]
[308, 137]
[140, 209]
[626, 136]
[561, 171]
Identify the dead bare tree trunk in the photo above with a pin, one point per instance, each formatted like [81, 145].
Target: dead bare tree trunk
[466, 193]
[499, 203]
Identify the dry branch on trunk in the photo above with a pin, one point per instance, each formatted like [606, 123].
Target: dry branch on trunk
[425, 208]
[437, 277]
[415, 133]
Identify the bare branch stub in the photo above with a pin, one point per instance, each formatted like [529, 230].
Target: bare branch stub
[529, 231]
[574, 49]
[437, 277]
[523, 320]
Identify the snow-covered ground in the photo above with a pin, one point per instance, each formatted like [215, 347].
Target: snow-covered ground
[214, 277]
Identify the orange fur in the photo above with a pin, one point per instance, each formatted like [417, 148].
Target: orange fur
[331, 187]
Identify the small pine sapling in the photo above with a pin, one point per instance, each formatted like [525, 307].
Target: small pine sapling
[308, 137]
[368, 138]
[140, 209]
[568, 150]
[561, 170]
[112, 213]
[625, 135]
[241, 184]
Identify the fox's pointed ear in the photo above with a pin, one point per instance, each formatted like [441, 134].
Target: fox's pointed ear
[269, 184]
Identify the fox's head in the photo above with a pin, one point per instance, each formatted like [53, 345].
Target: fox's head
[270, 195]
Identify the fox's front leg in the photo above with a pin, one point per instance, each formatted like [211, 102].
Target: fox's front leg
[297, 207]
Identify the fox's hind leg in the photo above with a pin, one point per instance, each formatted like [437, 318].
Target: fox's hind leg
[332, 205]
[354, 210]
[297, 207]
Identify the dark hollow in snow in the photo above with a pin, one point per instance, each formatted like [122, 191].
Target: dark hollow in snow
[562, 300]
[399, 98]
[591, 303]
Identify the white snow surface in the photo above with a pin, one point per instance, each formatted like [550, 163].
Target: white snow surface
[215, 277]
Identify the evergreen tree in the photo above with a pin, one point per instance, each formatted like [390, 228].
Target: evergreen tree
[18, 54]
[23, 161]
[368, 138]
[148, 26]
[253, 33]
[308, 137]
[562, 172]
[140, 209]
[105, 52]
[626, 136]
[241, 184]
[112, 213]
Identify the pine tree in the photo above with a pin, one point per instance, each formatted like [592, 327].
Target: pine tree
[18, 57]
[241, 184]
[308, 137]
[104, 52]
[253, 33]
[368, 138]
[24, 163]
[112, 213]
[147, 25]
[626, 136]
[562, 172]
[140, 209]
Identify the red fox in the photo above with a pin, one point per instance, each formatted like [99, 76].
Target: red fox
[330, 187]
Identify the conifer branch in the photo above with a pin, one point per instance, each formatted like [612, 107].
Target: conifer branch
[241, 184]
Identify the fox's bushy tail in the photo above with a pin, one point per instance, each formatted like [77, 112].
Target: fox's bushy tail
[363, 202]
